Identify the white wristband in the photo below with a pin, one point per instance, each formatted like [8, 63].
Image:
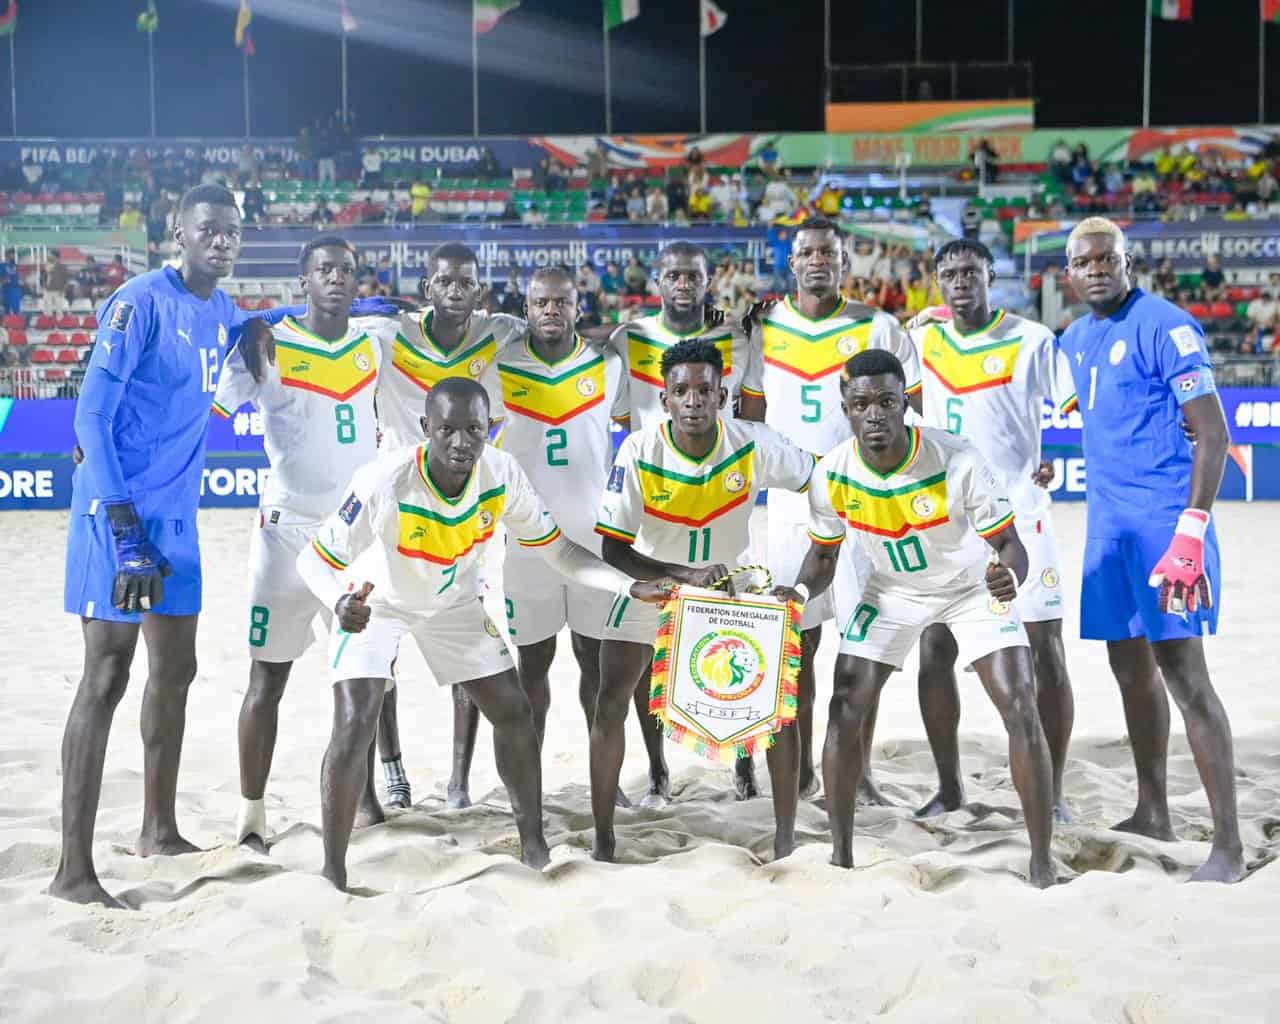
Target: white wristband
[802, 590]
[1193, 522]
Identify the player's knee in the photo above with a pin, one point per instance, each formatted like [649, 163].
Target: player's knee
[265, 690]
[1018, 709]
[1192, 693]
[106, 682]
[849, 705]
[611, 707]
[512, 711]
[175, 671]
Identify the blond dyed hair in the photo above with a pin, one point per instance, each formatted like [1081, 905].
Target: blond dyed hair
[1098, 226]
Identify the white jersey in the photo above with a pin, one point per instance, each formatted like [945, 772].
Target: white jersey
[989, 387]
[317, 405]
[687, 511]
[418, 363]
[923, 524]
[419, 549]
[556, 423]
[644, 341]
[802, 364]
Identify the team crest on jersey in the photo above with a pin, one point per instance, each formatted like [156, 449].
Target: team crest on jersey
[1117, 352]
[993, 366]
[997, 606]
[222, 335]
[490, 628]
[847, 345]
[121, 314]
[1049, 577]
[586, 387]
[475, 367]
[734, 482]
[486, 519]
[923, 506]
[362, 362]
[350, 509]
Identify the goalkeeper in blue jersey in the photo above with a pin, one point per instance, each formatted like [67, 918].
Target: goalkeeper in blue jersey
[1151, 567]
[133, 558]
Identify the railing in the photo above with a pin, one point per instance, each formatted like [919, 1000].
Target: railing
[953, 80]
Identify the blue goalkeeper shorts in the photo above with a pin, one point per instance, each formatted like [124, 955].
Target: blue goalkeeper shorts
[91, 567]
[1117, 603]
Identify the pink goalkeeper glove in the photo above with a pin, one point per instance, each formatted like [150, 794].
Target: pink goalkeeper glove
[1180, 574]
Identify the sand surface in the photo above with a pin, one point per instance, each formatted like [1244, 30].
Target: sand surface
[694, 925]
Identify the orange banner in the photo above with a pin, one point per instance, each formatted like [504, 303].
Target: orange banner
[947, 116]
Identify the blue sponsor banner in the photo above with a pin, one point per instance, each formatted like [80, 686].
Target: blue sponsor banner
[1247, 243]
[1253, 417]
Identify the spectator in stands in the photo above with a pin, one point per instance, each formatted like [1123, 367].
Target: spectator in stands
[616, 205]
[1113, 179]
[700, 205]
[770, 160]
[637, 208]
[420, 199]
[11, 282]
[1213, 282]
[388, 283]
[327, 154]
[8, 358]
[247, 165]
[88, 280]
[1265, 187]
[487, 165]
[1166, 279]
[1263, 314]
[724, 193]
[970, 220]
[1060, 161]
[371, 168]
[723, 286]
[114, 274]
[892, 297]
[677, 190]
[402, 216]
[56, 279]
[322, 217]
[921, 292]
[32, 172]
[779, 242]
[588, 281]
[828, 201]
[696, 175]
[611, 280]
[597, 164]
[305, 147]
[533, 217]
[741, 216]
[779, 199]
[556, 179]
[255, 203]
[1143, 188]
[130, 217]
[635, 278]
[986, 164]
[862, 258]
[656, 205]
[923, 209]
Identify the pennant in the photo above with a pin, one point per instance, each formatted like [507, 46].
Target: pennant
[617, 12]
[243, 17]
[1270, 10]
[345, 16]
[713, 18]
[487, 13]
[1171, 10]
[9, 19]
[149, 20]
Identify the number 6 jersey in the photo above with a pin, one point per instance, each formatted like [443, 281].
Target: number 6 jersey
[317, 410]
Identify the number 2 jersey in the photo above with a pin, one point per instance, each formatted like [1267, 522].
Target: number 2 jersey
[317, 405]
[418, 363]
[688, 511]
[556, 423]
[990, 387]
[923, 523]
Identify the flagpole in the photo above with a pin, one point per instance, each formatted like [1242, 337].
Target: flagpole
[1146, 67]
[244, 55]
[608, 85]
[344, 76]
[151, 70]
[13, 86]
[1009, 58]
[919, 31]
[475, 74]
[1262, 64]
[702, 77]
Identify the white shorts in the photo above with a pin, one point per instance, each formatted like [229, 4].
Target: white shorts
[460, 643]
[282, 608]
[1040, 596]
[789, 543]
[888, 621]
[633, 621]
[541, 602]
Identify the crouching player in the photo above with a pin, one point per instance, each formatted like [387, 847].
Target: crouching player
[413, 529]
[921, 503]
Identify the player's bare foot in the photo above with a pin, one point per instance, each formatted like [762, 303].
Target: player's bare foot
[457, 797]
[620, 799]
[604, 847]
[337, 877]
[842, 858]
[940, 803]
[1061, 813]
[744, 779]
[368, 815]
[536, 856]
[659, 794]
[810, 784]
[255, 842]
[869, 794]
[1222, 866]
[783, 846]
[163, 845]
[85, 891]
[1042, 876]
[1144, 825]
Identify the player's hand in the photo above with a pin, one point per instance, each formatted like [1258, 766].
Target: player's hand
[382, 305]
[787, 594]
[707, 576]
[657, 591]
[712, 316]
[1002, 584]
[351, 610]
[1180, 574]
[929, 315]
[756, 314]
[77, 455]
[140, 567]
[257, 347]
[1044, 475]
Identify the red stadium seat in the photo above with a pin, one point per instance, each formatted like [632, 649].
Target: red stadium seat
[266, 304]
[68, 322]
[1236, 294]
[1222, 311]
[55, 375]
[44, 322]
[79, 338]
[1198, 310]
[17, 338]
[90, 322]
[56, 338]
[69, 355]
[15, 320]
[42, 355]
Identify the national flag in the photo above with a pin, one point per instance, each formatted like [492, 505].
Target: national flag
[487, 13]
[616, 12]
[713, 18]
[9, 20]
[243, 17]
[1171, 10]
[345, 16]
[249, 49]
[1270, 10]
[149, 20]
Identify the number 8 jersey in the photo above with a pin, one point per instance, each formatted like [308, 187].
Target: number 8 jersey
[317, 411]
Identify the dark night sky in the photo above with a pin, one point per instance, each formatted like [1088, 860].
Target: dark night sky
[82, 67]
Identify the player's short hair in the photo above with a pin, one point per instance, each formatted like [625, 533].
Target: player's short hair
[683, 248]
[448, 251]
[963, 246]
[553, 275]
[1098, 226]
[821, 224]
[214, 195]
[692, 350]
[872, 363]
[323, 242]
[462, 388]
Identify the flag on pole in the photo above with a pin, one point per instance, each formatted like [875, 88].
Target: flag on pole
[1270, 10]
[9, 19]
[713, 18]
[616, 12]
[243, 17]
[1171, 10]
[487, 13]
[345, 16]
[148, 20]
